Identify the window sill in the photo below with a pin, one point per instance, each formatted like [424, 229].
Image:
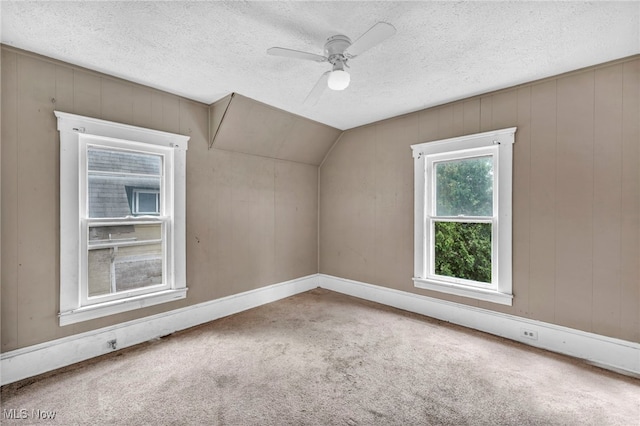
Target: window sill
[117, 306]
[465, 291]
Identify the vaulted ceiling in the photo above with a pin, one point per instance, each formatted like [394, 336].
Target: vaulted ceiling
[442, 51]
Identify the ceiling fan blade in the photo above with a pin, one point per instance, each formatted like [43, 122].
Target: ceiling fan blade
[290, 53]
[375, 35]
[313, 96]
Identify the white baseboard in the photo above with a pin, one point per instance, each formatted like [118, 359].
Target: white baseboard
[613, 354]
[37, 359]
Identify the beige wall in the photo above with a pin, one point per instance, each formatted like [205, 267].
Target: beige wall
[251, 221]
[241, 124]
[576, 197]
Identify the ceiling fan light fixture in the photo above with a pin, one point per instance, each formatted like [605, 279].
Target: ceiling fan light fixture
[338, 80]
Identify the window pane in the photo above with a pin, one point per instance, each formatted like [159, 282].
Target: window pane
[124, 257]
[138, 266]
[100, 272]
[125, 162]
[116, 269]
[463, 250]
[464, 187]
[114, 176]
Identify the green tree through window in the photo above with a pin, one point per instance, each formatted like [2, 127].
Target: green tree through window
[463, 250]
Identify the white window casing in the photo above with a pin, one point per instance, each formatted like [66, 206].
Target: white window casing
[76, 134]
[498, 145]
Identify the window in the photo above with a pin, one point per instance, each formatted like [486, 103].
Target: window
[146, 201]
[122, 217]
[463, 215]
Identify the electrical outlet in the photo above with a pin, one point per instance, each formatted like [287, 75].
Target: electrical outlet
[529, 334]
[112, 344]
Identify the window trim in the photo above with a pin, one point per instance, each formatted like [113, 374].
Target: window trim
[500, 142]
[73, 128]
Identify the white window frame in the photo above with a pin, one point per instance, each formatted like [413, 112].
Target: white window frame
[76, 134]
[87, 141]
[499, 145]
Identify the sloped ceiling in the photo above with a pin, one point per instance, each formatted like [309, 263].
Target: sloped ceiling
[442, 51]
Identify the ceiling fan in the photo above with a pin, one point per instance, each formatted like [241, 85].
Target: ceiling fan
[338, 50]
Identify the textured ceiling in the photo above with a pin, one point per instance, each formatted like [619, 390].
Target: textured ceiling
[442, 51]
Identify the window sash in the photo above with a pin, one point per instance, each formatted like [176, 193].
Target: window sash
[431, 179]
[458, 157]
[85, 298]
[431, 271]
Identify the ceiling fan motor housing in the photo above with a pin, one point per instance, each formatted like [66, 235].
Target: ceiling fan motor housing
[334, 48]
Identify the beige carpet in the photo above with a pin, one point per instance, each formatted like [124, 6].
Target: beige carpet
[321, 358]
